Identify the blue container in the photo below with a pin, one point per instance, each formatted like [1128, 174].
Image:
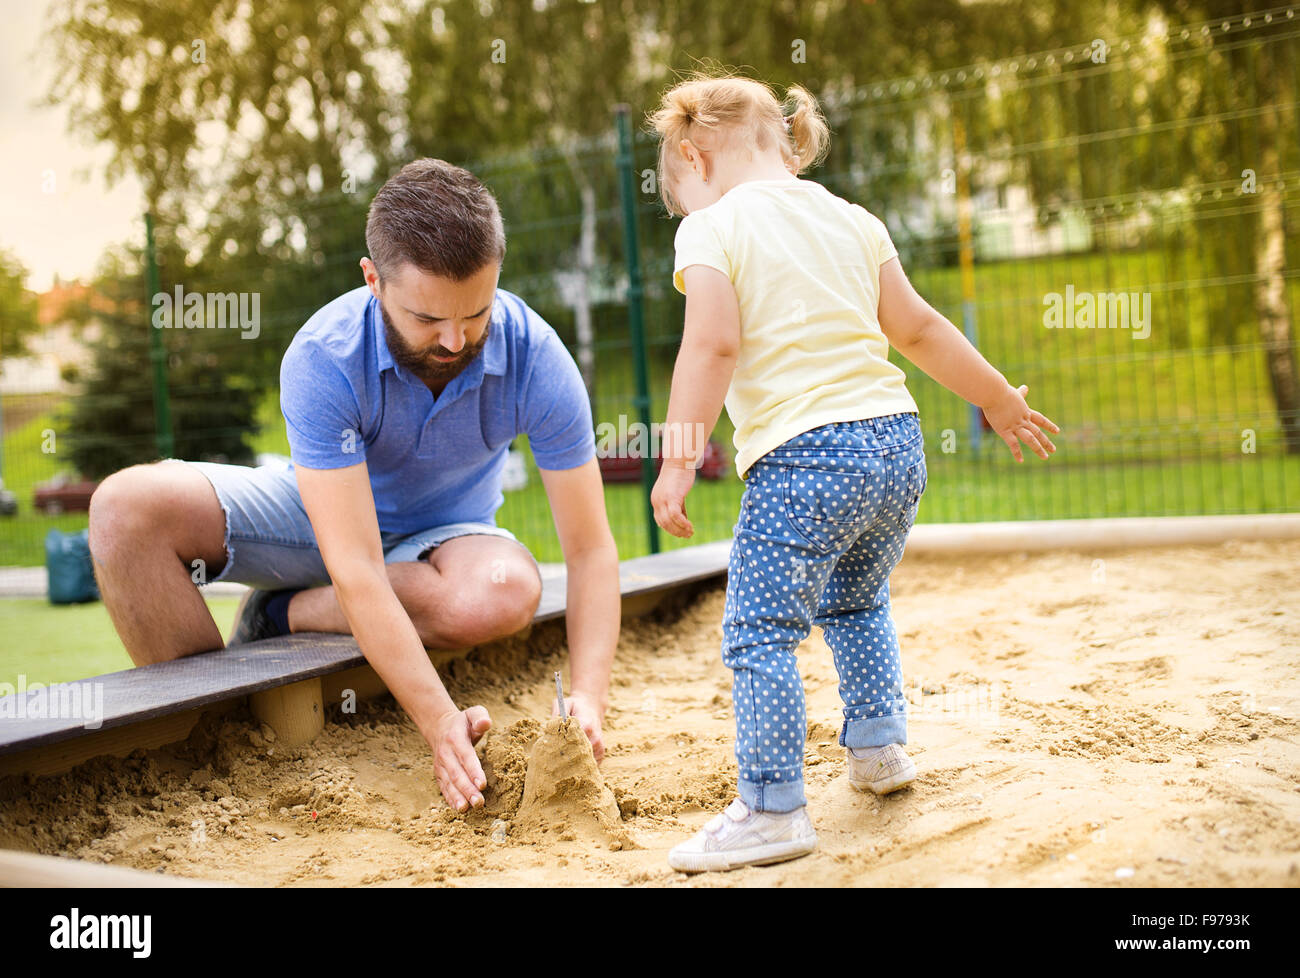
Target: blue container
[70, 569]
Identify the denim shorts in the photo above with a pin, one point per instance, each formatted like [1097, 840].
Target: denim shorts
[270, 543]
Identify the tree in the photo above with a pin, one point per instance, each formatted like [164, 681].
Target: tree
[110, 424]
[17, 307]
[1201, 122]
[251, 128]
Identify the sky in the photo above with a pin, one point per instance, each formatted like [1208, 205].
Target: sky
[62, 232]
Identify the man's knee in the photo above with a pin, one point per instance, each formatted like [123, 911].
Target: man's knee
[472, 611]
[505, 604]
[521, 592]
[119, 509]
[157, 503]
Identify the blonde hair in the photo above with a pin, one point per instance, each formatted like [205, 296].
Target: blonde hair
[737, 108]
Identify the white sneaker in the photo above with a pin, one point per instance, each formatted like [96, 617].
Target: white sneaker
[880, 769]
[738, 837]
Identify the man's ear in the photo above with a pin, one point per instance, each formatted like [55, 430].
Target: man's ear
[371, 274]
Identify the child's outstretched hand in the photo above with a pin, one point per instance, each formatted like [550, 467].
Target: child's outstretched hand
[669, 497]
[1014, 421]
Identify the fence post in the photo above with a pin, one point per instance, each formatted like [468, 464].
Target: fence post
[966, 251]
[636, 323]
[162, 415]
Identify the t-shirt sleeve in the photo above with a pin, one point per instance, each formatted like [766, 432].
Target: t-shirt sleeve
[555, 413]
[698, 242]
[879, 244]
[321, 413]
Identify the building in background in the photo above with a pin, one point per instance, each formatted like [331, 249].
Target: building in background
[59, 352]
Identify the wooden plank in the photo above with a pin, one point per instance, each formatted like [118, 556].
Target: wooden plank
[28, 869]
[134, 695]
[64, 755]
[654, 572]
[1098, 534]
[360, 683]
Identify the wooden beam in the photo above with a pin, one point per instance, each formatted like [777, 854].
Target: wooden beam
[120, 741]
[295, 712]
[30, 869]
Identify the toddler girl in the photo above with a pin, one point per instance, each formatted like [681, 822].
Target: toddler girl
[793, 297]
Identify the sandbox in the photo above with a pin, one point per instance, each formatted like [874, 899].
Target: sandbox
[1121, 718]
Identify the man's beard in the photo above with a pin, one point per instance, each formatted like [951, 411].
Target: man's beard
[422, 363]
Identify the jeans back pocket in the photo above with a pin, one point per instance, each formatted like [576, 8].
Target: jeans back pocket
[913, 488]
[824, 505]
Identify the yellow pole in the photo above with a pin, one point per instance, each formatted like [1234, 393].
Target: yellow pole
[966, 255]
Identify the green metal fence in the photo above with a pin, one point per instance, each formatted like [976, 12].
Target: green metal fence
[1164, 167]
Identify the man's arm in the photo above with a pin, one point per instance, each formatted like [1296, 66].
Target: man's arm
[577, 498]
[341, 508]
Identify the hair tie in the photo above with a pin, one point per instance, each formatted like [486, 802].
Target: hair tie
[787, 119]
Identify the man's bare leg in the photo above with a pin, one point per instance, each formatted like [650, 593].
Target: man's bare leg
[148, 524]
[469, 590]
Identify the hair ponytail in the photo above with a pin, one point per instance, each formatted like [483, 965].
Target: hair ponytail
[729, 108]
[809, 135]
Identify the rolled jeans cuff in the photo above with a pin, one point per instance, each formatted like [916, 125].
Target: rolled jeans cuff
[874, 731]
[781, 796]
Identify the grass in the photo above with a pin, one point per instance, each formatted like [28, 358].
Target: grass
[38, 647]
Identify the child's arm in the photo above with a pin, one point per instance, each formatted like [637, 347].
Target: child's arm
[701, 376]
[930, 341]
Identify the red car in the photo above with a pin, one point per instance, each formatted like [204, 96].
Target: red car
[625, 466]
[63, 495]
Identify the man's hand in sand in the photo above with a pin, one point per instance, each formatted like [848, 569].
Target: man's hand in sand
[460, 775]
[586, 711]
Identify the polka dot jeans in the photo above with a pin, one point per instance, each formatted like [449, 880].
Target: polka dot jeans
[822, 523]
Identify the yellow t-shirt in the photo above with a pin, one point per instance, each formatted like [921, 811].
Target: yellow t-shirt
[806, 268]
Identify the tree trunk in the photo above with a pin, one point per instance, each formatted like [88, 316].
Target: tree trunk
[585, 331]
[1271, 309]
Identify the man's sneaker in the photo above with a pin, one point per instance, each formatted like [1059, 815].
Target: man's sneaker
[739, 837]
[880, 769]
[251, 620]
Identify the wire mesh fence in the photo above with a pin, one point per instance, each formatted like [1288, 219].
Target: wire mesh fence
[1115, 224]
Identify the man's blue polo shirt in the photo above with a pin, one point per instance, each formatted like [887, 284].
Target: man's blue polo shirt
[431, 462]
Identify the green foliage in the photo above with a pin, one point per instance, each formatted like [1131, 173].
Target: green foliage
[17, 307]
[110, 424]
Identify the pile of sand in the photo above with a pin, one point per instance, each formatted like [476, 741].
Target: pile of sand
[1137, 726]
[564, 791]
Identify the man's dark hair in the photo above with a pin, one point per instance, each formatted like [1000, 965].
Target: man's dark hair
[438, 217]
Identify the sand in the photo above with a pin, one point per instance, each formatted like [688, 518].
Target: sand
[1119, 719]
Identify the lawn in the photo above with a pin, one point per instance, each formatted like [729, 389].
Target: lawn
[38, 639]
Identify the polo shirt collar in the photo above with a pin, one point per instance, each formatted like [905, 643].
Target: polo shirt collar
[494, 351]
[383, 356]
[492, 359]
